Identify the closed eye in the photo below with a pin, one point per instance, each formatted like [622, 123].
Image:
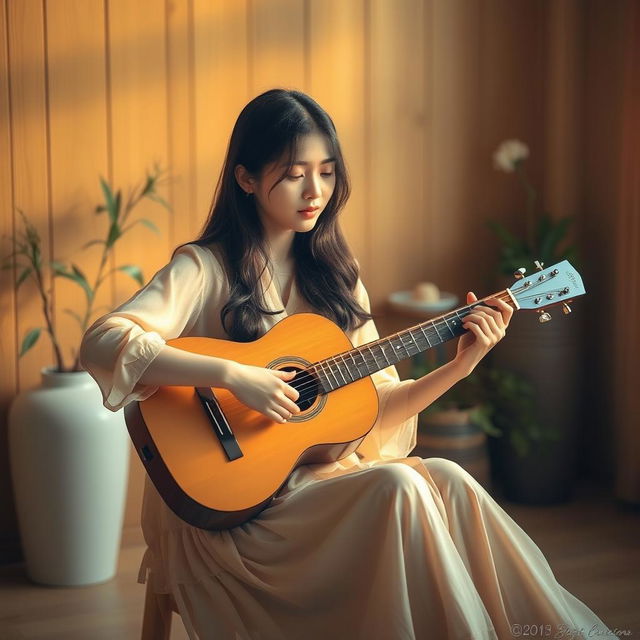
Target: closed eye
[302, 176]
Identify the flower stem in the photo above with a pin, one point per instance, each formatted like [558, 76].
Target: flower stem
[530, 220]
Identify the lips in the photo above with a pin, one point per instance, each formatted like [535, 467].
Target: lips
[308, 209]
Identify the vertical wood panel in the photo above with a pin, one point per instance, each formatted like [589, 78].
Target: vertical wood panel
[8, 346]
[627, 300]
[563, 142]
[330, 80]
[78, 154]
[508, 102]
[29, 126]
[277, 45]
[396, 206]
[454, 132]
[138, 83]
[220, 91]
[8, 378]
[180, 141]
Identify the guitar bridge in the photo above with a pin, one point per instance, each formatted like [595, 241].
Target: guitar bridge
[219, 423]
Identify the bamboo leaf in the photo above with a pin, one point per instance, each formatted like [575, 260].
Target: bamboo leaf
[23, 276]
[157, 198]
[149, 224]
[108, 198]
[134, 272]
[82, 281]
[29, 340]
[78, 279]
[114, 234]
[149, 186]
[73, 314]
[91, 243]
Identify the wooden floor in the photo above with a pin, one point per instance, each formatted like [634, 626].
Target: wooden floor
[592, 545]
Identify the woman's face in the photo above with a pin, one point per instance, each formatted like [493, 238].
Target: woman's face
[309, 183]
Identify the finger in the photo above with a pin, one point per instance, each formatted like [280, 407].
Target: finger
[479, 334]
[274, 415]
[282, 413]
[471, 297]
[290, 406]
[291, 392]
[506, 309]
[493, 327]
[491, 313]
[480, 319]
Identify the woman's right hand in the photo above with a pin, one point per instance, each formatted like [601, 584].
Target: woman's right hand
[264, 390]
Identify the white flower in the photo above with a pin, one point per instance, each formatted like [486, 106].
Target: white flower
[508, 153]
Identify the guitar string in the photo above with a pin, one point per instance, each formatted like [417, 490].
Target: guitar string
[330, 362]
[441, 321]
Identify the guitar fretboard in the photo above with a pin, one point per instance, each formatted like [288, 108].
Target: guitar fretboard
[349, 366]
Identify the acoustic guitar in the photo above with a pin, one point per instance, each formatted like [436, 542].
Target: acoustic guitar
[217, 463]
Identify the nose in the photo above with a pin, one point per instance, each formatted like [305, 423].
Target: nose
[313, 188]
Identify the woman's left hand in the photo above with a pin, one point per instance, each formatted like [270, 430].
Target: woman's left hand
[486, 327]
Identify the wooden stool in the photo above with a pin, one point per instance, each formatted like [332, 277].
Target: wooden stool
[156, 621]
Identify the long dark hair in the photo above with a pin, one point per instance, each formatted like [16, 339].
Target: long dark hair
[267, 129]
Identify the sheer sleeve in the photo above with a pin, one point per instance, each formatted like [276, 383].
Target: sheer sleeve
[393, 435]
[119, 346]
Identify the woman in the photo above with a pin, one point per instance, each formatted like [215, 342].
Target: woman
[376, 545]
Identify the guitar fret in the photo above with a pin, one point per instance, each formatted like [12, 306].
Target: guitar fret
[404, 346]
[346, 366]
[354, 362]
[341, 372]
[374, 355]
[436, 328]
[448, 327]
[425, 335]
[384, 354]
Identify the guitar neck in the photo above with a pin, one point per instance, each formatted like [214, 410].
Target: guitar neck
[349, 366]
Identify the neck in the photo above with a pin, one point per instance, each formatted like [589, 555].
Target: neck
[347, 367]
[280, 248]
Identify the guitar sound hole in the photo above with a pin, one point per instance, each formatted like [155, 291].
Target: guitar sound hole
[306, 385]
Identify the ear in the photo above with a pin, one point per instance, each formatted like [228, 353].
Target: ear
[244, 178]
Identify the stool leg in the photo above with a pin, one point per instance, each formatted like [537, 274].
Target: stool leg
[156, 622]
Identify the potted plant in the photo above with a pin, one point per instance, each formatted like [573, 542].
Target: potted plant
[489, 405]
[546, 355]
[69, 455]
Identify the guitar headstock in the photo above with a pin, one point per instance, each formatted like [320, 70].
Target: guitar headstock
[557, 284]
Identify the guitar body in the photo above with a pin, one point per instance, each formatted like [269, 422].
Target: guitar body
[183, 454]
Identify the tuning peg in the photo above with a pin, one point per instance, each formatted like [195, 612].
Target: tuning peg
[539, 265]
[566, 308]
[519, 274]
[544, 316]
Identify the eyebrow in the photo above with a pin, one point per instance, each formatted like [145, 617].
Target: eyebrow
[303, 162]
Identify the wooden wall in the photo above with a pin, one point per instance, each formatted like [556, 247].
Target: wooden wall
[421, 91]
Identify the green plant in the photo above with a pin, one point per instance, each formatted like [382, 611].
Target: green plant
[544, 237]
[28, 260]
[502, 403]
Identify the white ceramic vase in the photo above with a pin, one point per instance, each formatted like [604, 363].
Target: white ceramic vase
[69, 458]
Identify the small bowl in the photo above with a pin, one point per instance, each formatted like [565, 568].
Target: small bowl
[404, 301]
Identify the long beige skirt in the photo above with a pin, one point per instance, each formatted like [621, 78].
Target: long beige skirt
[396, 550]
